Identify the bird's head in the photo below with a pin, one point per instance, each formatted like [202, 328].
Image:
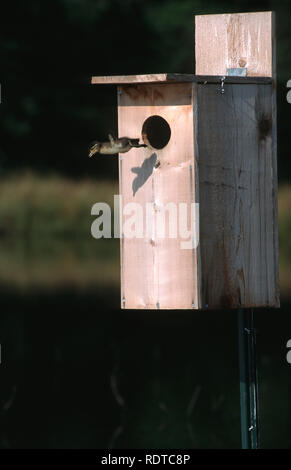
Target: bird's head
[94, 148]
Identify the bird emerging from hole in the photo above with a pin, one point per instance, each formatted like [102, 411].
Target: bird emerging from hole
[121, 145]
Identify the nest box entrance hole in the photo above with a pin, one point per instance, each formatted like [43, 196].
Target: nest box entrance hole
[156, 132]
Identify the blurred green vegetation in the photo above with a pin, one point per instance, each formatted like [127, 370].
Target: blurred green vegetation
[34, 206]
[285, 239]
[52, 264]
[45, 238]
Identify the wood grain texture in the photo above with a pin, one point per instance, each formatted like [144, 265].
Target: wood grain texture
[173, 78]
[235, 40]
[222, 154]
[274, 158]
[156, 272]
[238, 196]
[226, 142]
[123, 79]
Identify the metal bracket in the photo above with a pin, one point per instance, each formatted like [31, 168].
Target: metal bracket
[237, 72]
[232, 72]
[248, 379]
[222, 85]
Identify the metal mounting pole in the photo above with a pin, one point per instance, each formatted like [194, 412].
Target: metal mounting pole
[248, 379]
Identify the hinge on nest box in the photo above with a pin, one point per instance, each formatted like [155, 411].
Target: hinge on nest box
[237, 72]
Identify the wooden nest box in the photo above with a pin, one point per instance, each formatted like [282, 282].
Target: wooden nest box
[211, 140]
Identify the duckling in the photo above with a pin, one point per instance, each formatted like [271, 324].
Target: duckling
[121, 145]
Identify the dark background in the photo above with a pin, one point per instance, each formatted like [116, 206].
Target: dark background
[49, 110]
[76, 372]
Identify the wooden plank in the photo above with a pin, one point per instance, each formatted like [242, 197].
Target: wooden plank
[173, 78]
[156, 272]
[274, 159]
[235, 40]
[238, 196]
[204, 79]
[123, 79]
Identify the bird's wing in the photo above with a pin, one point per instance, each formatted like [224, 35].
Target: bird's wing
[135, 169]
[111, 139]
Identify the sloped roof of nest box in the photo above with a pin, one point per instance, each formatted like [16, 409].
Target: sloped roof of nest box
[173, 78]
